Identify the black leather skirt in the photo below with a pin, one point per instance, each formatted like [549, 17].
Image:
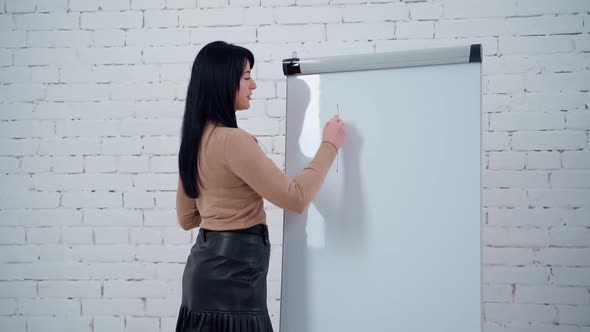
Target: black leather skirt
[224, 282]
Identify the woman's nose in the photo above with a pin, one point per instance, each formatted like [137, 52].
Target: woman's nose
[253, 84]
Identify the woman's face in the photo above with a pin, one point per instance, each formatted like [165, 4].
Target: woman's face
[247, 85]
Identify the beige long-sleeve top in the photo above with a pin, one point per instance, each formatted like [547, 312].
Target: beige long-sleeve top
[236, 175]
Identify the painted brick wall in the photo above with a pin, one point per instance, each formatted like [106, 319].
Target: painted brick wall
[91, 98]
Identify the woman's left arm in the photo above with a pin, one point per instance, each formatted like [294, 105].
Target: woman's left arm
[186, 209]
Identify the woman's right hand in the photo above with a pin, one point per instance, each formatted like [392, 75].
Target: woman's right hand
[335, 132]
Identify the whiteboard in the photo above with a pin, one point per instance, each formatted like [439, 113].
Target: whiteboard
[392, 242]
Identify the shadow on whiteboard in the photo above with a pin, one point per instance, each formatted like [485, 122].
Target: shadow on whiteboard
[335, 219]
[334, 225]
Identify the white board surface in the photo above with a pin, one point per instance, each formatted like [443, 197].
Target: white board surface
[392, 241]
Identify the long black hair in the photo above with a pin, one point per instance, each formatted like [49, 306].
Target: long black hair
[214, 82]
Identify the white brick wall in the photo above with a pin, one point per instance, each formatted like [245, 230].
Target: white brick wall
[91, 100]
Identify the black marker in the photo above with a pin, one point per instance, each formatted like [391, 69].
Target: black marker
[337, 157]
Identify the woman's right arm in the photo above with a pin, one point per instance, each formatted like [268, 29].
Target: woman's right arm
[247, 160]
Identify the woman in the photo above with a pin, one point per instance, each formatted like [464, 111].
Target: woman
[224, 281]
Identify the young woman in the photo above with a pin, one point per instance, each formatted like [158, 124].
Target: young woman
[224, 281]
